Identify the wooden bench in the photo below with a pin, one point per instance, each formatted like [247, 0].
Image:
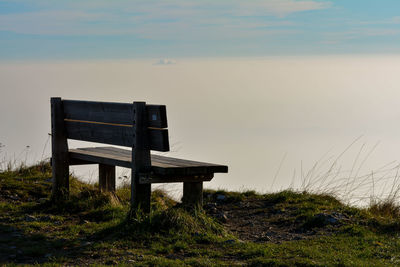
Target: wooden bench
[138, 126]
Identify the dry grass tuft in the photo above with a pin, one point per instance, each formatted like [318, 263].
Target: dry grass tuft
[385, 208]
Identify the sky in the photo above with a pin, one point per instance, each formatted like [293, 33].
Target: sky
[102, 29]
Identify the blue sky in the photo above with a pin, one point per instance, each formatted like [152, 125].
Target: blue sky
[103, 29]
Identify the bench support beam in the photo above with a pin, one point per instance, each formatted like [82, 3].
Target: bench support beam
[106, 178]
[141, 161]
[59, 148]
[193, 194]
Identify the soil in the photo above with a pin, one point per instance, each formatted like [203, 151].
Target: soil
[258, 220]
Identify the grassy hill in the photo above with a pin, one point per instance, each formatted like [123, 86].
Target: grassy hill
[280, 229]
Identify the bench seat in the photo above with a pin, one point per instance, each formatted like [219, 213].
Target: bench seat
[163, 169]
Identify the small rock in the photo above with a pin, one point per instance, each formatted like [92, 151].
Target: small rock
[213, 210]
[30, 218]
[210, 206]
[15, 197]
[131, 261]
[45, 218]
[332, 220]
[86, 244]
[328, 218]
[221, 217]
[221, 197]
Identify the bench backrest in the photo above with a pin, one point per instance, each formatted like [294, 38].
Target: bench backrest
[114, 123]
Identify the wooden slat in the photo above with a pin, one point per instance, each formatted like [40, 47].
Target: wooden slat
[157, 116]
[160, 165]
[155, 158]
[114, 135]
[74, 161]
[100, 133]
[110, 112]
[182, 162]
[175, 179]
[158, 139]
[99, 157]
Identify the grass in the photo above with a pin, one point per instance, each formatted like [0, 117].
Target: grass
[93, 228]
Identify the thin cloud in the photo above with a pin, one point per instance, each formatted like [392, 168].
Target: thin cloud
[280, 8]
[155, 19]
[165, 61]
[341, 37]
[57, 22]
[390, 21]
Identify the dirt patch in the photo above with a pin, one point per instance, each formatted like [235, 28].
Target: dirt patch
[258, 220]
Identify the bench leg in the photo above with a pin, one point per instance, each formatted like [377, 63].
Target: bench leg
[193, 194]
[60, 188]
[141, 195]
[106, 178]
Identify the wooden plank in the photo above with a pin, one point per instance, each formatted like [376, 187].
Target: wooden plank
[160, 165]
[97, 157]
[183, 162]
[108, 112]
[74, 161]
[100, 133]
[157, 116]
[59, 148]
[106, 178]
[114, 134]
[158, 139]
[174, 162]
[111, 112]
[193, 194]
[141, 161]
[185, 167]
[167, 170]
[174, 179]
[102, 157]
